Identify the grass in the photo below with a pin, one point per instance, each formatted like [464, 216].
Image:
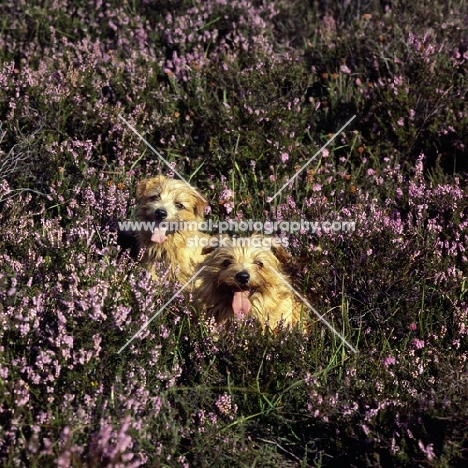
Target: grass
[237, 97]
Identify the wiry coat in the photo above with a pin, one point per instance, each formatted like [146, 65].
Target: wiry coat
[247, 278]
[170, 201]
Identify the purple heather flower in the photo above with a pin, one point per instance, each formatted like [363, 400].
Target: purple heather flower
[428, 450]
[389, 361]
[225, 406]
[418, 344]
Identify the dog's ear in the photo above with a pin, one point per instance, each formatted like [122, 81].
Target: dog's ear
[275, 245]
[208, 249]
[280, 253]
[200, 205]
[214, 243]
[141, 189]
[145, 184]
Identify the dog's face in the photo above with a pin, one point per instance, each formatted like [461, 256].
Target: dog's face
[238, 272]
[162, 200]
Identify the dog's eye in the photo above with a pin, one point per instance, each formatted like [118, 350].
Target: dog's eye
[179, 206]
[227, 262]
[155, 198]
[259, 263]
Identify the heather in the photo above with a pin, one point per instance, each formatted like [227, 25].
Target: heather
[237, 96]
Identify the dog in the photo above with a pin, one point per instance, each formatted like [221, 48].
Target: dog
[243, 277]
[168, 204]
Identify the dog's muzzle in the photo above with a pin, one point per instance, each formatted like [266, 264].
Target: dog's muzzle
[240, 301]
[159, 233]
[160, 214]
[242, 277]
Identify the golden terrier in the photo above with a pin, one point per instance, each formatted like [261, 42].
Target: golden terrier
[243, 277]
[173, 210]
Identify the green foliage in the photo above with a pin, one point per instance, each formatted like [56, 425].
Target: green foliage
[237, 96]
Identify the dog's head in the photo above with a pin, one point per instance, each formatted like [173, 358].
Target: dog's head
[168, 203]
[242, 267]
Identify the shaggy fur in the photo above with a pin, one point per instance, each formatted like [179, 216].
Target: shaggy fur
[239, 281]
[167, 200]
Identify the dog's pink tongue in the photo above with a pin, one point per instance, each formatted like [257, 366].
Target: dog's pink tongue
[159, 235]
[240, 303]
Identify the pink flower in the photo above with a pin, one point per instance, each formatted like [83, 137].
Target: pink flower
[418, 344]
[413, 326]
[389, 361]
[428, 451]
[224, 404]
[228, 207]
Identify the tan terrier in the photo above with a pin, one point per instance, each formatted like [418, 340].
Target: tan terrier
[243, 277]
[172, 210]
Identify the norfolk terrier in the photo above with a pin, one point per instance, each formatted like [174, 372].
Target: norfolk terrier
[243, 277]
[169, 205]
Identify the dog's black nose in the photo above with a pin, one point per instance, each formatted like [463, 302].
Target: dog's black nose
[160, 213]
[242, 277]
